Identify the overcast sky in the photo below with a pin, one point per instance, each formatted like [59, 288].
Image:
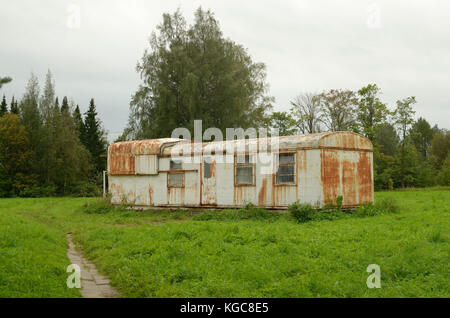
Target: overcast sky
[402, 46]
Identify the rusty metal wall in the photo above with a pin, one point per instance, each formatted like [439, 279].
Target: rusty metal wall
[335, 167]
[347, 173]
[146, 164]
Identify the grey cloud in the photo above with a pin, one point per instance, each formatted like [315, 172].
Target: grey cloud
[306, 45]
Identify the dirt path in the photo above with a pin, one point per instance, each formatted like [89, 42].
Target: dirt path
[93, 285]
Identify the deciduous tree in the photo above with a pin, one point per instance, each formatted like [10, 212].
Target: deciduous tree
[284, 123]
[306, 110]
[338, 109]
[4, 80]
[403, 117]
[371, 112]
[15, 154]
[194, 72]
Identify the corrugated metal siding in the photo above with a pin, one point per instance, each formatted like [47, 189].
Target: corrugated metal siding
[335, 166]
[146, 164]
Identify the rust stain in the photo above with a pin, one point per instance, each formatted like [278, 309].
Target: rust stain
[150, 195]
[213, 168]
[348, 181]
[262, 193]
[121, 155]
[330, 175]
[364, 178]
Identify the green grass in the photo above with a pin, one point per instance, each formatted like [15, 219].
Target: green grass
[33, 259]
[230, 253]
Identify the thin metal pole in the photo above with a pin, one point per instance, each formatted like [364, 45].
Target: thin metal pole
[104, 184]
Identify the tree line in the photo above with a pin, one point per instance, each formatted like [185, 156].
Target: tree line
[407, 152]
[190, 72]
[193, 72]
[47, 147]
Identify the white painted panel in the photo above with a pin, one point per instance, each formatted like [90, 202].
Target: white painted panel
[225, 184]
[146, 164]
[310, 180]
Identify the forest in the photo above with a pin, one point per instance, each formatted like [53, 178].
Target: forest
[49, 147]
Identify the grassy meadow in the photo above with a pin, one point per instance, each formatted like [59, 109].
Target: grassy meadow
[160, 253]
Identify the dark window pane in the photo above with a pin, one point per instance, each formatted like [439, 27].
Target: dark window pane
[285, 179]
[207, 170]
[175, 179]
[286, 157]
[244, 179]
[175, 164]
[289, 169]
[244, 171]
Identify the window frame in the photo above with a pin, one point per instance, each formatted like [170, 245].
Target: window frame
[173, 171]
[251, 164]
[204, 163]
[278, 164]
[180, 162]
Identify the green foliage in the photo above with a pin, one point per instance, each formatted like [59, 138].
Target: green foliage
[403, 118]
[33, 257]
[249, 213]
[99, 206]
[93, 138]
[194, 72]
[307, 113]
[153, 254]
[4, 80]
[371, 112]
[338, 108]
[421, 136]
[84, 189]
[386, 139]
[43, 145]
[301, 212]
[388, 205]
[38, 191]
[3, 107]
[14, 108]
[384, 206]
[305, 212]
[14, 155]
[339, 201]
[284, 122]
[444, 174]
[440, 146]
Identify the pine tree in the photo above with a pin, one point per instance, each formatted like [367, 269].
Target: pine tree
[65, 105]
[3, 107]
[94, 138]
[48, 97]
[56, 106]
[14, 108]
[49, 117]
[79, 124]
[31, 119]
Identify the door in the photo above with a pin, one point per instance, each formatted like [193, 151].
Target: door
[208, 181]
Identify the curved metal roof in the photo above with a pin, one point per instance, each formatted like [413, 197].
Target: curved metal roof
[164, 146]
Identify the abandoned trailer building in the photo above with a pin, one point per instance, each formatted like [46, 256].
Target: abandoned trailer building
[268, 172]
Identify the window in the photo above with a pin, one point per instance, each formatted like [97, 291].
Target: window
[175, 164]
[245, 170]
[206, 169]
[175, 180]
[285, 168]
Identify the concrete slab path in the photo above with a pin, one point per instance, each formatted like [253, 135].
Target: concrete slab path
[93, 284]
